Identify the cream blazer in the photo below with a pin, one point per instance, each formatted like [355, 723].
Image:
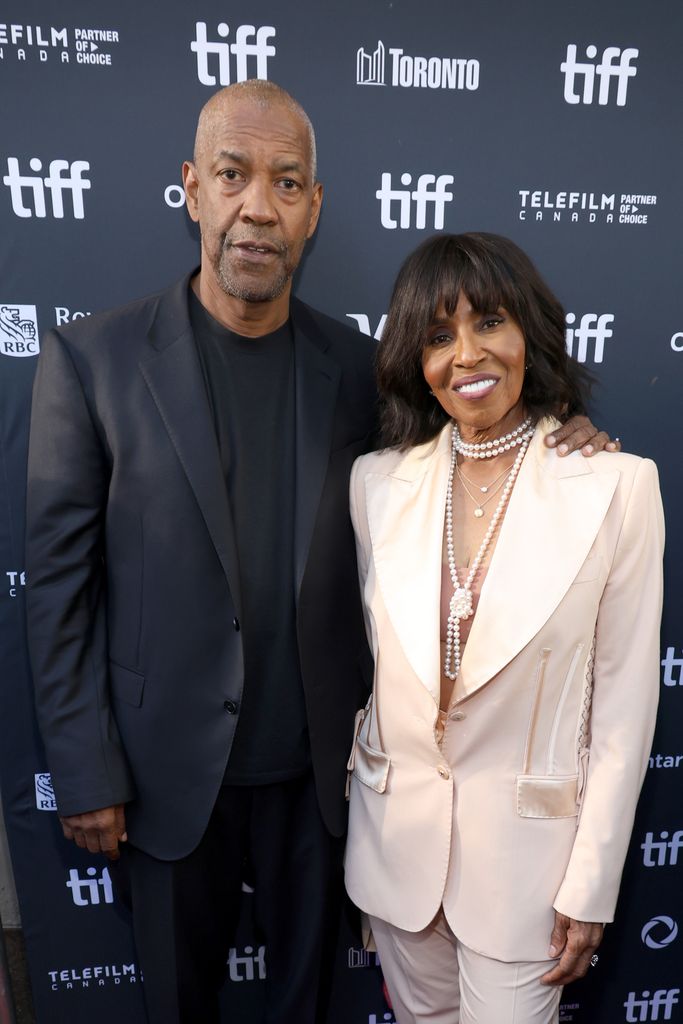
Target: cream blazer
[529, 803]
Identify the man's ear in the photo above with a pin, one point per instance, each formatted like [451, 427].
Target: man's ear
[191, 186]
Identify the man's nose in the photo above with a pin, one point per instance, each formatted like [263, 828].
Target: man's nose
[258, 206]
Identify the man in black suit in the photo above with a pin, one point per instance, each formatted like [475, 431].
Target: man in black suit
[194, 620]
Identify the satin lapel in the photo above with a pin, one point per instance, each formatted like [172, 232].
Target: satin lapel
[174, 377]
[406, 517]
[317, 382]
[554, 515]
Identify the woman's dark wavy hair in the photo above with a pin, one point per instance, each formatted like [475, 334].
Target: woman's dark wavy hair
[492, 272]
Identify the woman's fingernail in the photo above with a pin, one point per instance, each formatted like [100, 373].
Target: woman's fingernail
[563, 449]
[588, 448]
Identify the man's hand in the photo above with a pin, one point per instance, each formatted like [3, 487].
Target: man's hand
[579, 432]
[98, 831]
[576, 941]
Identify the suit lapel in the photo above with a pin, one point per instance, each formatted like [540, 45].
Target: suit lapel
[174, 377]
[316, 382]
[556, 510]
[406, 515]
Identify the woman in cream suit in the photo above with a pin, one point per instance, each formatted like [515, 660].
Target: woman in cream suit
[513, 602]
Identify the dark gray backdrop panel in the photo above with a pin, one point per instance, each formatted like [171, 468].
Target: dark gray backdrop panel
[511, 139]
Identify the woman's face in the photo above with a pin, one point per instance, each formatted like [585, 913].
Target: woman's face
[474, 364]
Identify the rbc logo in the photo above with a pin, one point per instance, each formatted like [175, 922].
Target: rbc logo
[45, 794]
[606, 70]
[242, 49]
[423, 194]
[62, 177]
[85, 892]
[592, 327]
[648, 1006]
[19, 331]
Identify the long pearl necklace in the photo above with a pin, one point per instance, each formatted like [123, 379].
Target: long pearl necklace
[461, 604]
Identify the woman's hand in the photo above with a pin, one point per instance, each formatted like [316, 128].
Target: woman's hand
[574, 942]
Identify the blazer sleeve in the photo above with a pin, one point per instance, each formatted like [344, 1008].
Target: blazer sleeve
[624, 705]
[68, 477]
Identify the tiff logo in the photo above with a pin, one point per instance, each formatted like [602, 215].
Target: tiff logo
[669, 663]
[666, 849]
[420, 196]
[606, 70]
[16, 579]
[249, 961]
[648, 1007]
[592, 328]
[85, 892]
[242, 49]
[370, 66]
[62, 177]
[363, 321]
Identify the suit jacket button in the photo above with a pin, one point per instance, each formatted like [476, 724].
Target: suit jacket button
[230, 706]
[236, 624]
[457, 716]
[443, 771]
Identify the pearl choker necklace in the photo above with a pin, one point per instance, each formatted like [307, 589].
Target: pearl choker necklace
[489, 449]
[462, 604]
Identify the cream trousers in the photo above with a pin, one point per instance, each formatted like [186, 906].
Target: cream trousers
[433, 978]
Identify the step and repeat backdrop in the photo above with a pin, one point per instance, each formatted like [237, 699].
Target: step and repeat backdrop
[554, 124]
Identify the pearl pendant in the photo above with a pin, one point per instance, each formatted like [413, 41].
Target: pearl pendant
[461, 603]
[484, 490]
[478, 512]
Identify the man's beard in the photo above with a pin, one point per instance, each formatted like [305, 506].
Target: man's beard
[238, 285]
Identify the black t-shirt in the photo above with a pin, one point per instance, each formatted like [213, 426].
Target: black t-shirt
[250, 386]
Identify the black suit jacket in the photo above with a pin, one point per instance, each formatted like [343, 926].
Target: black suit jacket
[133, 599]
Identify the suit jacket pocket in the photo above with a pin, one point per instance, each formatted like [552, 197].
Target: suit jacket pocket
[547, 796]
[126, 685]
[369, 765]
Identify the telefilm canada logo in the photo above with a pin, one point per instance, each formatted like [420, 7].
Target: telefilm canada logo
[64, 179]
[65, 44]
[16, 578]
[580, 207]
[415, 72]
[19, 330]
[615, 66]
[220, 62]
[45, 794]
[93, 976]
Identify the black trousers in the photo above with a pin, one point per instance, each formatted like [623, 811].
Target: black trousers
[185, 912]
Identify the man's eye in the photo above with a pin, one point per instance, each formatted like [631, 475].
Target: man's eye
[230, 174]
[289, 184]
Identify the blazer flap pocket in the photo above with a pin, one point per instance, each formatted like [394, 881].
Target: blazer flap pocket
[547, 796]
[125, 684]
[371, 766]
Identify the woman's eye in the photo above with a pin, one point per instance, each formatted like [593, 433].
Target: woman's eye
[492, 321]
[439, 339]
